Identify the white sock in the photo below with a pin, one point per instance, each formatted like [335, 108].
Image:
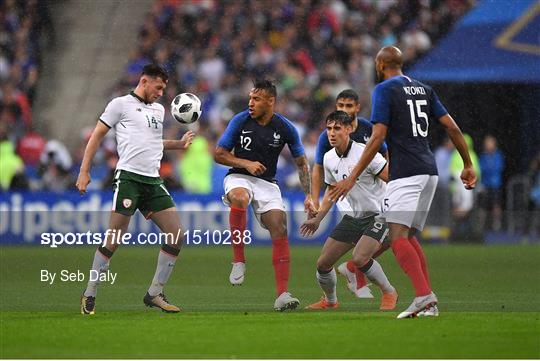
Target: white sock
[100, 264]
[376, 275]
[328, 281]
[164, 269]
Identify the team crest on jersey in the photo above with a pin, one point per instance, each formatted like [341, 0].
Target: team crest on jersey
[277, 140]
[126, 202]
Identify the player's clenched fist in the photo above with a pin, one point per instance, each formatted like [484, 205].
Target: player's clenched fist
[468, 177]
[256, 168]
[82, 182]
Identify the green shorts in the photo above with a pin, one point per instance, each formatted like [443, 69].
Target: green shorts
[134, 191]
[350, 229]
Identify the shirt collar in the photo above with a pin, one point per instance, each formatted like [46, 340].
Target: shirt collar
[132, 93]
[344, 155]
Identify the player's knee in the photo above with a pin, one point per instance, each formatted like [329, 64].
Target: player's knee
[276, 225]
[360, 259]
[323, 264]
[239, 199]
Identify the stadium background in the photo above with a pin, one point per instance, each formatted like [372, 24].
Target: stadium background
[62, 61]
[57, 77]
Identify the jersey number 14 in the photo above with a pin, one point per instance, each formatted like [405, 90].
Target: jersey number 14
[416, 126]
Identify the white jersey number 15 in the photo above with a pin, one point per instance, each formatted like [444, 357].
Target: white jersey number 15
[416, 127]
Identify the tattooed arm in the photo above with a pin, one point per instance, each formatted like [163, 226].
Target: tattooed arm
[305, 182]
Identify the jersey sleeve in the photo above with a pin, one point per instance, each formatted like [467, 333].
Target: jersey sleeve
[380, 110]
[112, 114]
[328, 176]
[323, 146]
[377, 165]
[294, 142]
[383, 149]
[230, 136]
[437, 109]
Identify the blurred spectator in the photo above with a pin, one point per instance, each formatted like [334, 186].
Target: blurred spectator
[167, 173]
[492, 167]
[443, 154]
[534, 208]
[30, 148]
[56, 167]
[111, 161]
[11, 168]
[195, 167]
[463, 199]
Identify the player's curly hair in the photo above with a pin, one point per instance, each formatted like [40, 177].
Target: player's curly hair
[266, 85]
[339, 116]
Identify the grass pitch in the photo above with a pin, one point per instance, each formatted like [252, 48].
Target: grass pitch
[489, 302]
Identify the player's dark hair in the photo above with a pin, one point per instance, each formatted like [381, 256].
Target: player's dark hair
[154, 70]
[348, 94]
[339, 116]
[266, 85]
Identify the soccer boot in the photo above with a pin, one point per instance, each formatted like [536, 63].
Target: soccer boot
[322, 304]
[419, 304]
[286, 301]
[88, 305]
[160, 301]
[431, 311]
[362, 292]
[237, 273]
[389, 301]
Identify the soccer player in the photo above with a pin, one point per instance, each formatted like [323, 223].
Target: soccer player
[138, 124]
[251, 145]
[347, 101]
[361, 228]
[402, 111]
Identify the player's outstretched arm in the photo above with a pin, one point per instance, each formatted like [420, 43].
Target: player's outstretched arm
[468, 176]
[183, 143]
[91, 148]
[343, 187]
[305, 181]
[311, 225]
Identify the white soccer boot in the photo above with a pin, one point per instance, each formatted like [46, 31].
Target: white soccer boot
[286, 301]
[237, 273]
[363, 292]
[418, 305]
[431, 311]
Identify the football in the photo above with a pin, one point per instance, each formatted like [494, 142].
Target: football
[186, 108]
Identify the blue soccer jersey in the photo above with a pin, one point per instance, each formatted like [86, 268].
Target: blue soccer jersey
[407, 107]
[260, 143]
[360, 135]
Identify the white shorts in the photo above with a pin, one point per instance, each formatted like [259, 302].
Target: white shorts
[263, 195]
[408, 200]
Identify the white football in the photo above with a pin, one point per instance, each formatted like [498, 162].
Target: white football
[186, 108]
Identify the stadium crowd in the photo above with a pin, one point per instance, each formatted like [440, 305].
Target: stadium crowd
[312, 49]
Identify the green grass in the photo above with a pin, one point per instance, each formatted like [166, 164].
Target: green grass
[489, 302]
